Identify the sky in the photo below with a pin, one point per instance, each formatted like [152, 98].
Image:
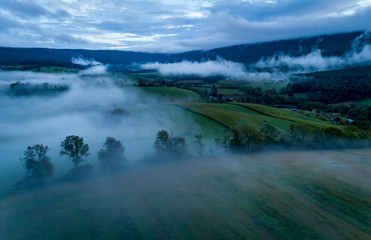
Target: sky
[172, 26]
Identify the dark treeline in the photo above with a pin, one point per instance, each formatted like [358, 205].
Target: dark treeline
[24, 89]
[30, 64]
[353, 84]
[244, 139]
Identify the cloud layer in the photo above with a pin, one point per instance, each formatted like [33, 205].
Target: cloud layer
[172, 26]
[275, 67]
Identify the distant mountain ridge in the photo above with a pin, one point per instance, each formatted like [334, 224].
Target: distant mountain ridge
[330, 45]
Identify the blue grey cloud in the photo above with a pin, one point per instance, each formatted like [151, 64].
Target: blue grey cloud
[27, 8]
[6, 23]
[172, 26]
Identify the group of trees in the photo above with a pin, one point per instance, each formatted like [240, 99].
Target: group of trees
[247, 139]
[25, 65]
[23, 89]
[111, 156]
[39, 166]
[237, 139]
[168, 146]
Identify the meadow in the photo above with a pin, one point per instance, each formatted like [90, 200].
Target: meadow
[278, 195]
[255, 115]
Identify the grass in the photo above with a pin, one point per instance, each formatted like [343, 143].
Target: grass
[285, 114]
[255, 115]
[229, 91]
[221, 90]
[170, 93]
[366, 102]
[183, 123]
[286, 195]
[265, 85]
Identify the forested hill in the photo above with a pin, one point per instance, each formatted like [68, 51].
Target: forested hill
[330, 45]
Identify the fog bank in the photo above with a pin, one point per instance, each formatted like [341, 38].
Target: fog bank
[92, 108]
[203, 69]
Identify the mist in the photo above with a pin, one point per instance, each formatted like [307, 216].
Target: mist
[80, 60]
[87, 109]
[203, 69]
[277, 67]
[359, 54]
[315, 61]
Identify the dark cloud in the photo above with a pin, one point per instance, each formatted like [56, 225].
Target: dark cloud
[62, 13]
[110, 25]
[65, 38]
[173, 26]
[223, 29]
[28, 8]
[6, 23]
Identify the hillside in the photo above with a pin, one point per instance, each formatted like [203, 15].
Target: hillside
[330, 45]
[255, 115]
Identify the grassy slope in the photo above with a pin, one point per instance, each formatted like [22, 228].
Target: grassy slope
[214, 118]
[170, 93]
[254, 115]
[181, 122]
[366, 102]
[285, 114]
[287, 195]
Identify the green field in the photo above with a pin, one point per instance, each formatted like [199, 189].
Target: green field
[285, 195]
[264, 85]
[171, 94]
[285, 114]
[229, 91]
[221, 90]
[366, 102]
[255, 115]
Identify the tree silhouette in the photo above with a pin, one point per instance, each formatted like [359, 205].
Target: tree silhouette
[168, 146]
[37, 163]
[74, 147]
[112, 154]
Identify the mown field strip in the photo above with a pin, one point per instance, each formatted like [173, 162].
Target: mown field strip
[230, 115]
[285, 115]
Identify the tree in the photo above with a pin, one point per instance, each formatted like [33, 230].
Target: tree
[214, 91]
[112, 154]
[178, 147]
[305, 135]
[270, 134]
[74, 147]
[243, 139]
[37, 163]
[168, 146]
[162, 142]
[200, 144]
